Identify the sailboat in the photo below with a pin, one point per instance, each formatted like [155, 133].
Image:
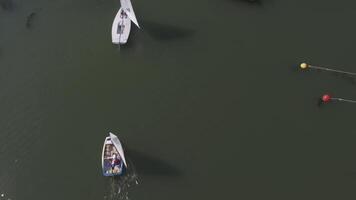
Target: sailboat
[121, 26]
[113, 160]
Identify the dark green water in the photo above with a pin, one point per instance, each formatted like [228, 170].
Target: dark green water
[207, 99]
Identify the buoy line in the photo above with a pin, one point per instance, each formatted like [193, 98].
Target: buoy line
[306, 66]
[327, 98]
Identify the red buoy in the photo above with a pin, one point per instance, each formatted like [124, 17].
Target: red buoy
[326, 98]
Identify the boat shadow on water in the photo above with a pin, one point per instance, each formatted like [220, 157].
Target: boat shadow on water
[156, 31]
[163, 32]
[149, 165]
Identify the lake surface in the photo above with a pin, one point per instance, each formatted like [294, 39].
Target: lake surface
[207, 99]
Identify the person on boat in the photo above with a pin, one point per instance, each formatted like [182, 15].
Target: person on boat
[114, 161]
[123, 14]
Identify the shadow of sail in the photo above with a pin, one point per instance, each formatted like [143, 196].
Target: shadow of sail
[149, 165]
[165, 32]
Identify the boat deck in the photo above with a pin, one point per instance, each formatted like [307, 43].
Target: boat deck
[109, 151]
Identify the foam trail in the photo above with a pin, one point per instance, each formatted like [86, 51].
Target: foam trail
[118, 188]
[332, 70]
[344, 100]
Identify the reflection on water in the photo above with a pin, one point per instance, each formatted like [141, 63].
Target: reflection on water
[118, 186]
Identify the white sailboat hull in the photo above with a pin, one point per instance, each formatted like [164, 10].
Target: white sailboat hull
[127, 6]
[110, 167]
[121, 26]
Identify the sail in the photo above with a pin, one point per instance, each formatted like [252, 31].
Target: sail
[127, 7]
[118, 146]
[132, 18]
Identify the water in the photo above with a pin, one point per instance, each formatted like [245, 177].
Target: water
[207, 98]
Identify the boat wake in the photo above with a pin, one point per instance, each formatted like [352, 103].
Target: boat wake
[119, 186]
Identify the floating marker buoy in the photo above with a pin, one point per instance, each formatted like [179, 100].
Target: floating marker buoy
[326, 98]
[2, 195]
[305, 66]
